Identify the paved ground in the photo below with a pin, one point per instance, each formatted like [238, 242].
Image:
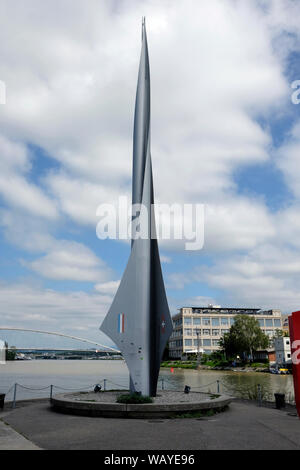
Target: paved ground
[243, 426]
[10, 439]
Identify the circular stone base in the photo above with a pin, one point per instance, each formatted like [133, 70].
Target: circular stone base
[166, 404]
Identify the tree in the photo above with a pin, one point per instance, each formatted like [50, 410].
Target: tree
[281, 333]
[228, 346]
[10, 353]
[244, 338]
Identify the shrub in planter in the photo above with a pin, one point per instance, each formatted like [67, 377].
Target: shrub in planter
[134, 399]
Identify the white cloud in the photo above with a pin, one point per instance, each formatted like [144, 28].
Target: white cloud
[165, 259]
[14, 187]
[108, 287]
[81, 98]
[57, 258]
[215, 68]
[70, 261]
[30, 306]
[288, 156]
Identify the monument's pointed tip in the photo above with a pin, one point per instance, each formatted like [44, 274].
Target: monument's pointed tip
[143, 26]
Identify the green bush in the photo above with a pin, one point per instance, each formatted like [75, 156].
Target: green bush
[134, 399]
[10, 354]
[258, 364]
[180, 364]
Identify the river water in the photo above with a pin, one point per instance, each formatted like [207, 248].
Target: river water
[35, 377]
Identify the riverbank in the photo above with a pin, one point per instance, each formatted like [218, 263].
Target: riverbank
[193, 365]
[34, 379]
[243, 426]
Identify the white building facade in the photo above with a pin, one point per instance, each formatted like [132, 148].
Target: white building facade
[201, 328]
[283, 350]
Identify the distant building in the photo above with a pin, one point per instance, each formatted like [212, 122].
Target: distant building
[264, 355]
[285, 325]
[2, 352]
[283, 350]
[203, 327]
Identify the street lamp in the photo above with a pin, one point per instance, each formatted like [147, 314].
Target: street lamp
[198, 346]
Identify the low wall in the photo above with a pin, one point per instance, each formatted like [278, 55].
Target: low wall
[65, 404]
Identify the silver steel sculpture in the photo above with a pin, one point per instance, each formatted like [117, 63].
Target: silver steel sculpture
[139, 320]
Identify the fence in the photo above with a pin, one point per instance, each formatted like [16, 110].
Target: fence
[256, 395]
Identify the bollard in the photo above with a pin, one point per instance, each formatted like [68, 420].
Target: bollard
[218, 386]
[51, 392]
[104, 385]
[279, 400]
[15, 396]
[2, 398]
[162, 384]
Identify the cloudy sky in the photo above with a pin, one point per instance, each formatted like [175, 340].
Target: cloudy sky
[225, 133]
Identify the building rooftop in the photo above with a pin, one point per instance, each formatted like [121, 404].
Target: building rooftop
[223, 308]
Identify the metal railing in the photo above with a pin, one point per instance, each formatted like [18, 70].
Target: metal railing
[256, 394]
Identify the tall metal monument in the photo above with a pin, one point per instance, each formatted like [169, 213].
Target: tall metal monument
[139, 320]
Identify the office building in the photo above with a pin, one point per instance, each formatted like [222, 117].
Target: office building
[202, 327]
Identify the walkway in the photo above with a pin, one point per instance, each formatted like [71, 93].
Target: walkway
[243, 426]
[11, 440]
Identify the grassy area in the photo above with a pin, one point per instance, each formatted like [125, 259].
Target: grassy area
[180, 364]
[212, 363]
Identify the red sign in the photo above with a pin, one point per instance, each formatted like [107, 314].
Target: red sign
[294, 323]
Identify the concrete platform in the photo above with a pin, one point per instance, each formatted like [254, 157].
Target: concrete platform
[244, 426]
[167, 404]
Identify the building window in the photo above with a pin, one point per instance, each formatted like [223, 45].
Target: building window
[196, 321]
[215, 342]
[206, 342]
[269, 323]
[206, 321]
[216, 332]
[196, 342]
[231, 321]
[277, 323]
[188, 331]
[261, 322]
[215, 322]
[206, 332]
[188, 342]
[224, 321]
[223, 332]
[187, 320]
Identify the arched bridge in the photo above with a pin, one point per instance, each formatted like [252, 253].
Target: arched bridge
[84, 340]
